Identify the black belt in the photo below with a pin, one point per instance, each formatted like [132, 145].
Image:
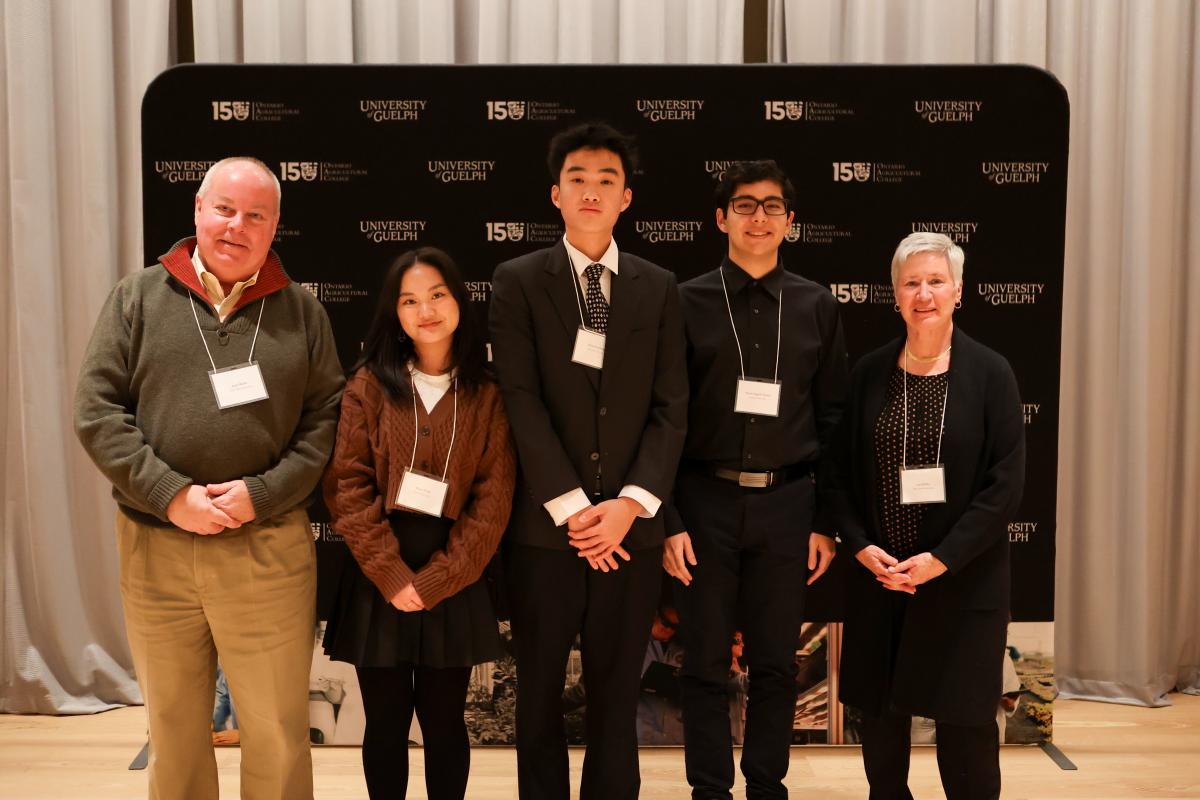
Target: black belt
[762, 479]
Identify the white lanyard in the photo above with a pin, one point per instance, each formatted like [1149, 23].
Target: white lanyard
[419, 491]
[941, 431]
[249, 358]
[453, 427]
[778, 330]
[589, 343]
[239, 384]
[925, 483]
[578, 302]
[756, 396]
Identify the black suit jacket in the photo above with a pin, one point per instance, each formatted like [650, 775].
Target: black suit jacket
[949, 658]
[581, 427]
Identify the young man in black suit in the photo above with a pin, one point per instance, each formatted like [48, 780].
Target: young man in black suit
[588, 346]
[767, 369]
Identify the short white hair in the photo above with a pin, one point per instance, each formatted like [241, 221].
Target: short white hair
[927, 242]
[206, 183]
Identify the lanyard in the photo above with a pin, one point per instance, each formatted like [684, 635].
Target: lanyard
[778, 327]
[941, 431]
[204, 341]
[575, 282]
[416, 433]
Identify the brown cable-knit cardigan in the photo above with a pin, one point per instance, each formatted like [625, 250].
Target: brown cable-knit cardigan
[374, 446]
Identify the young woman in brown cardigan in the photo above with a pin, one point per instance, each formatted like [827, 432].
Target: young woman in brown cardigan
[421, 488]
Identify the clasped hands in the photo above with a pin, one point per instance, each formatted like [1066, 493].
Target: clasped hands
[407, 599]
[212, 508]
[597, 531]
[900, 576]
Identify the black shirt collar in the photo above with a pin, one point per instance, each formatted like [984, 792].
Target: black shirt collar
[737, 278]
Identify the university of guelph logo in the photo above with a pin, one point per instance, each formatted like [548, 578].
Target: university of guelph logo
[505, 231]
[850, 292]
[848, 171]
[308, 170]
[794, 232]
[794, 109]
[516, 110]
[231, 110]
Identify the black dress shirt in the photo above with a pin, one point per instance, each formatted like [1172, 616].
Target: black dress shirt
[812, 368]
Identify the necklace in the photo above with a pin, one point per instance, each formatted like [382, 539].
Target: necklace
[927, 359]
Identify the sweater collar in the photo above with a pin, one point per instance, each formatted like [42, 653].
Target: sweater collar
[178, 262]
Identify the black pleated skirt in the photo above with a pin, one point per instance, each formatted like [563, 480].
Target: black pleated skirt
[366, 630]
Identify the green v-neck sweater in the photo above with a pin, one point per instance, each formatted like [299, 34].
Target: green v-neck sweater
[144, 405]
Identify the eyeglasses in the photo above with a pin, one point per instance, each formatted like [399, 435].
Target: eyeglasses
[747, 205]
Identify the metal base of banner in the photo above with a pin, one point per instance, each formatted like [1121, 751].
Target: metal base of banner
[1057, 756]
[142, 758]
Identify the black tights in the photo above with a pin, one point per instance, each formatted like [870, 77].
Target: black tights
[439, 696]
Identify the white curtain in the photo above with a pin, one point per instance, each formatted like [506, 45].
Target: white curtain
[469, 31]
[1127, 622]
[70, 225]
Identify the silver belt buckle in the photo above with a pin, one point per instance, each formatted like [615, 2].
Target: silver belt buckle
[754, 480]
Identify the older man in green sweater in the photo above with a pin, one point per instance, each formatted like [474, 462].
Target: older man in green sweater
[209, 397]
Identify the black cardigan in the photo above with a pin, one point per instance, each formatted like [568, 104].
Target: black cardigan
[948, 666]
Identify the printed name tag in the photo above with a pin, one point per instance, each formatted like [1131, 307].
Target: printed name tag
[924, 484]
[757, 397]
[238, 385]
[421, 492]
[589, 348]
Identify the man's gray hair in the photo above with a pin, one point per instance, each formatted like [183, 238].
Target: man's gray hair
[206, 183]
[927, 242]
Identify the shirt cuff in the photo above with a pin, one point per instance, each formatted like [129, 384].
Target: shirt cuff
[648, 501]
[567, 505]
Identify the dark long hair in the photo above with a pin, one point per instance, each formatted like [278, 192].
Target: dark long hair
[387, 350]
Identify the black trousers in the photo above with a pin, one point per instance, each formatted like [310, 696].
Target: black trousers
[751, 546]
[554, 596]
[968, 755]
[968, 758]
[439, 697]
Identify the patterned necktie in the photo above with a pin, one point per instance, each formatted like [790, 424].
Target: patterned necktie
[597, 306]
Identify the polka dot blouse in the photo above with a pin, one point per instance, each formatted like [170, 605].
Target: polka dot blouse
[925, 396]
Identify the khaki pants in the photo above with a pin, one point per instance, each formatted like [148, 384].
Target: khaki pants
[249, 594]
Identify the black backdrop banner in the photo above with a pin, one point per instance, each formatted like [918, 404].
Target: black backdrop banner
[375, 160]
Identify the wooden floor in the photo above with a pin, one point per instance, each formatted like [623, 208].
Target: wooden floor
[1121, 752]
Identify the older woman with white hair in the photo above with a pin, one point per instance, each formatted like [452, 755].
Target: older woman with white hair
[928, 468]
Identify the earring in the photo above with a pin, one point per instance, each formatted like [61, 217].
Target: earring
[958, 304]
[896, 307]
[401, 336]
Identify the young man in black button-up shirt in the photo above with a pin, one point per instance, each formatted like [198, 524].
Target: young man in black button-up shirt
[767, 371]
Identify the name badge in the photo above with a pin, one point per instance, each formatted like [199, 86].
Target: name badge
[923, 484]
[238, 385]
[589, 348]
[757, 397]
[423, 493]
